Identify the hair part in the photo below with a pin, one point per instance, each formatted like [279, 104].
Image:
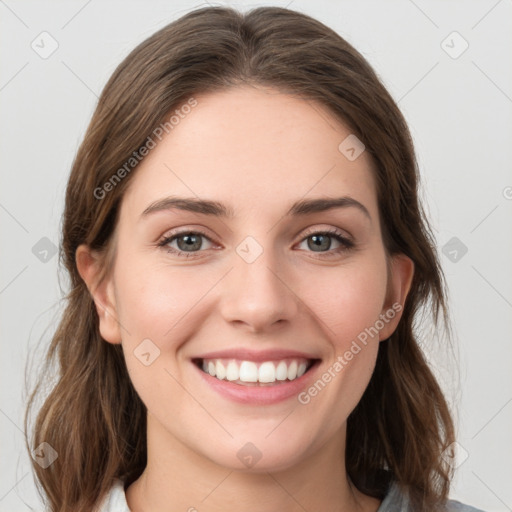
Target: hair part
[93, 416]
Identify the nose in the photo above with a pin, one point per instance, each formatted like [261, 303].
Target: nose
[258, 296]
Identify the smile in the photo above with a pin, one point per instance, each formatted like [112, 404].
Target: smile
[251, 373]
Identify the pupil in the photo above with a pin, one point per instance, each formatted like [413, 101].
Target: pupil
[317, 242]
[189, 242]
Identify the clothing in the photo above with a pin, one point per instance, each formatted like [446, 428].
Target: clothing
[394, 501]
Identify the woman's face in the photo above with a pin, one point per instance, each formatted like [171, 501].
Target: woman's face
[262, 292]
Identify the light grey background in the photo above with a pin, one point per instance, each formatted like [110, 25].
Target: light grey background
[459, 111]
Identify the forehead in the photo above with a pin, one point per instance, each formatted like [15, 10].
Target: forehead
[253, 148]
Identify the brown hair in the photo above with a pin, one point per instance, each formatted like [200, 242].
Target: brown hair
[93, 416]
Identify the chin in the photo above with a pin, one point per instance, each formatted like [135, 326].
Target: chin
[260, 455]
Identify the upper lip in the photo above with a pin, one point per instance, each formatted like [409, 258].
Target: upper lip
[255, 355]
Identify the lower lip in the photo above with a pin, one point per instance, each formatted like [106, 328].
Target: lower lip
[258, 395]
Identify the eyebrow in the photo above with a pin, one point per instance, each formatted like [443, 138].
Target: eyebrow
[214, 208]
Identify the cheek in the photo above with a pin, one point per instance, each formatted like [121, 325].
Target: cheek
[155, 299]
[157, 305]
[349, 299]
[347, 302]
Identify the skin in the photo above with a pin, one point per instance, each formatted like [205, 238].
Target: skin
[256, 150]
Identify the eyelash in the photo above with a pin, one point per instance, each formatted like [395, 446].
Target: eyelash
[346, 244]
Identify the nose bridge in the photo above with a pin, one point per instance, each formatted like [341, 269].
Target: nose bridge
[257, 293]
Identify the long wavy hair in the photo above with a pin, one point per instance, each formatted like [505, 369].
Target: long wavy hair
[92, 415]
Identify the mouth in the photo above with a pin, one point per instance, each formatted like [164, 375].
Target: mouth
[256, 373]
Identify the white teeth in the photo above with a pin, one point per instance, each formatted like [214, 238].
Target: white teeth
[281, 371]
[220, 370]
[232, 372]
[292, 370]
[248, 372]
[266, 372]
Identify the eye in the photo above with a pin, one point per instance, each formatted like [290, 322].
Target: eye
[321, 242]
[187, 243]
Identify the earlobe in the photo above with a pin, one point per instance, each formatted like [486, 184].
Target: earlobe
[399, 284]
[101, 289]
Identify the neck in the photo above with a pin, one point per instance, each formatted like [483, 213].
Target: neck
[179, 479]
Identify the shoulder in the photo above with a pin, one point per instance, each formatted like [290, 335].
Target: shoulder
[115, 500]
[396, 501]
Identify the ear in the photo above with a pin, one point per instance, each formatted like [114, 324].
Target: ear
[400, 274]
[89, 266]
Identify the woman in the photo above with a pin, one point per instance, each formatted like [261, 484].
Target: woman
[247, 256]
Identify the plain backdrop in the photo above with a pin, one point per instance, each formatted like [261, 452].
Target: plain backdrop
[448, 65]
